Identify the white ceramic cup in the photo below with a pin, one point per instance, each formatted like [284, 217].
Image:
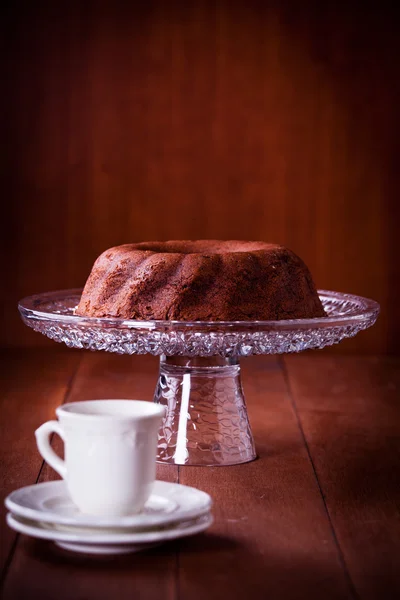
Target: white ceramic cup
[110, 449]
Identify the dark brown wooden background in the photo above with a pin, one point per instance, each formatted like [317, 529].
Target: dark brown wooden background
[276, 121]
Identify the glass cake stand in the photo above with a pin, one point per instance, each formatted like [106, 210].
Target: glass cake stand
[199, 380]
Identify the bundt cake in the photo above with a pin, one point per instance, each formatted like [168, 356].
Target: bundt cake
[205, 280]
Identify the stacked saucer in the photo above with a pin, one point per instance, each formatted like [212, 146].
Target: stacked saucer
[46, 511]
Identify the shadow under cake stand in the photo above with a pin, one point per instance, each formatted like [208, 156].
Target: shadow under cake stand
[199, 380]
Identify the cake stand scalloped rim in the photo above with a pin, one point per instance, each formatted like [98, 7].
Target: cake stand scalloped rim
[197, 338]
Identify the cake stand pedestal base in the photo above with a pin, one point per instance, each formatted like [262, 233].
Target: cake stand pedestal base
[206, 421]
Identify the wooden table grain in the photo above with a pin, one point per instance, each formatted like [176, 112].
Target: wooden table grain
[317, 515]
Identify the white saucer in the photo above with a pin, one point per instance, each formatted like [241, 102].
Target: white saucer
[96, 542]
[49, 502]
[104, 550]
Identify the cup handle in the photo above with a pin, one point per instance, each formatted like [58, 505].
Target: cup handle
[43, 443]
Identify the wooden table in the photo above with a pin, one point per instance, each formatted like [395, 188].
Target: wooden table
[316, 516]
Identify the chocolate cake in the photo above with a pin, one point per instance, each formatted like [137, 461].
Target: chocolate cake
[207, 280]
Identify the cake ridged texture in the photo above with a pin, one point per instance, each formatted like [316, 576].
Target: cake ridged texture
[203, 280]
